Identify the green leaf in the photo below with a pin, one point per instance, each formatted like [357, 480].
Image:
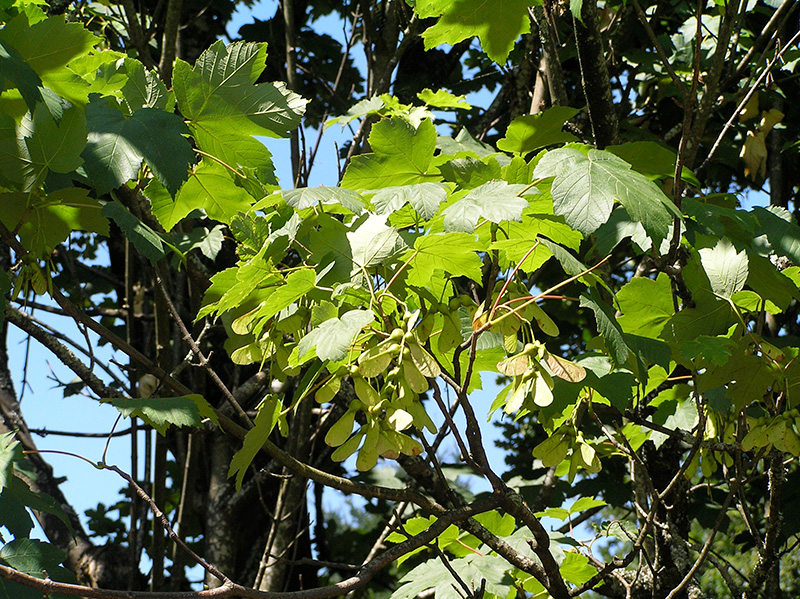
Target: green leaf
[306, 197]
[585, 503]
[652, 160]
[221, 87]
[35, 558]
[358, 110]
[725, 267]
[424, 198]
[145, 240]
[225, 141]
[607, 326]
[586, 185]
[47, 47]
[372, 243]
[782, 232]
[14, 68]
[144, 89]
[576, 568]
[531, 132]
[118, 144]
[646, 305]
[269, 413]
[333, 338]
[209, 188]
[161, 412]
[453, 253]
[44, 222]
[498, 25]
[495, 201]
[298, 283]
[401, 155]
[10, 451]
[442, 98]
[553, 450]
[51, 146]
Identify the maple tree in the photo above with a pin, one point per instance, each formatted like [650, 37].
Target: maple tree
[580, 240]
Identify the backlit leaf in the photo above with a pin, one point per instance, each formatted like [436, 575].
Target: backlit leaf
[268, 415]
[497, 24]
[532, 132]
[333, 338]
[725, 267]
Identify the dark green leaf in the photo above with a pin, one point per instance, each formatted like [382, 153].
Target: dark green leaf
[145, 240]
[118, 144]
[607, 326]
[22, 76]
[161, 412]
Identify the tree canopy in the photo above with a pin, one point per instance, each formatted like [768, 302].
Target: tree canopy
[586, 238]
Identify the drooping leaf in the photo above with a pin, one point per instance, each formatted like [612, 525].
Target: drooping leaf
[118, 145]
[495, 201]
[607, 326]
[725, 267]
[163, 412]
[20, 74]
[145, 240]
[497, 24]
[531, 132]
[333, 338]
[269, 413]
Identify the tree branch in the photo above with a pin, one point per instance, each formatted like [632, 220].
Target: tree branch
[594, 76]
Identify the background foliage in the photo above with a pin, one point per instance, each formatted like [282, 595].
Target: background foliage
[586, 239]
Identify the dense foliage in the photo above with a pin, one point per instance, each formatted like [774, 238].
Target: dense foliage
[581, 241]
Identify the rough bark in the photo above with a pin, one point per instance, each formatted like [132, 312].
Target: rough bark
[594, 77]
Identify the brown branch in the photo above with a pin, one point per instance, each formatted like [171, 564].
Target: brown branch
[137, 34]
[365, 574]
[169, 40]
[70, 360]
[594, 76]
[552, 62]
[187, 337]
